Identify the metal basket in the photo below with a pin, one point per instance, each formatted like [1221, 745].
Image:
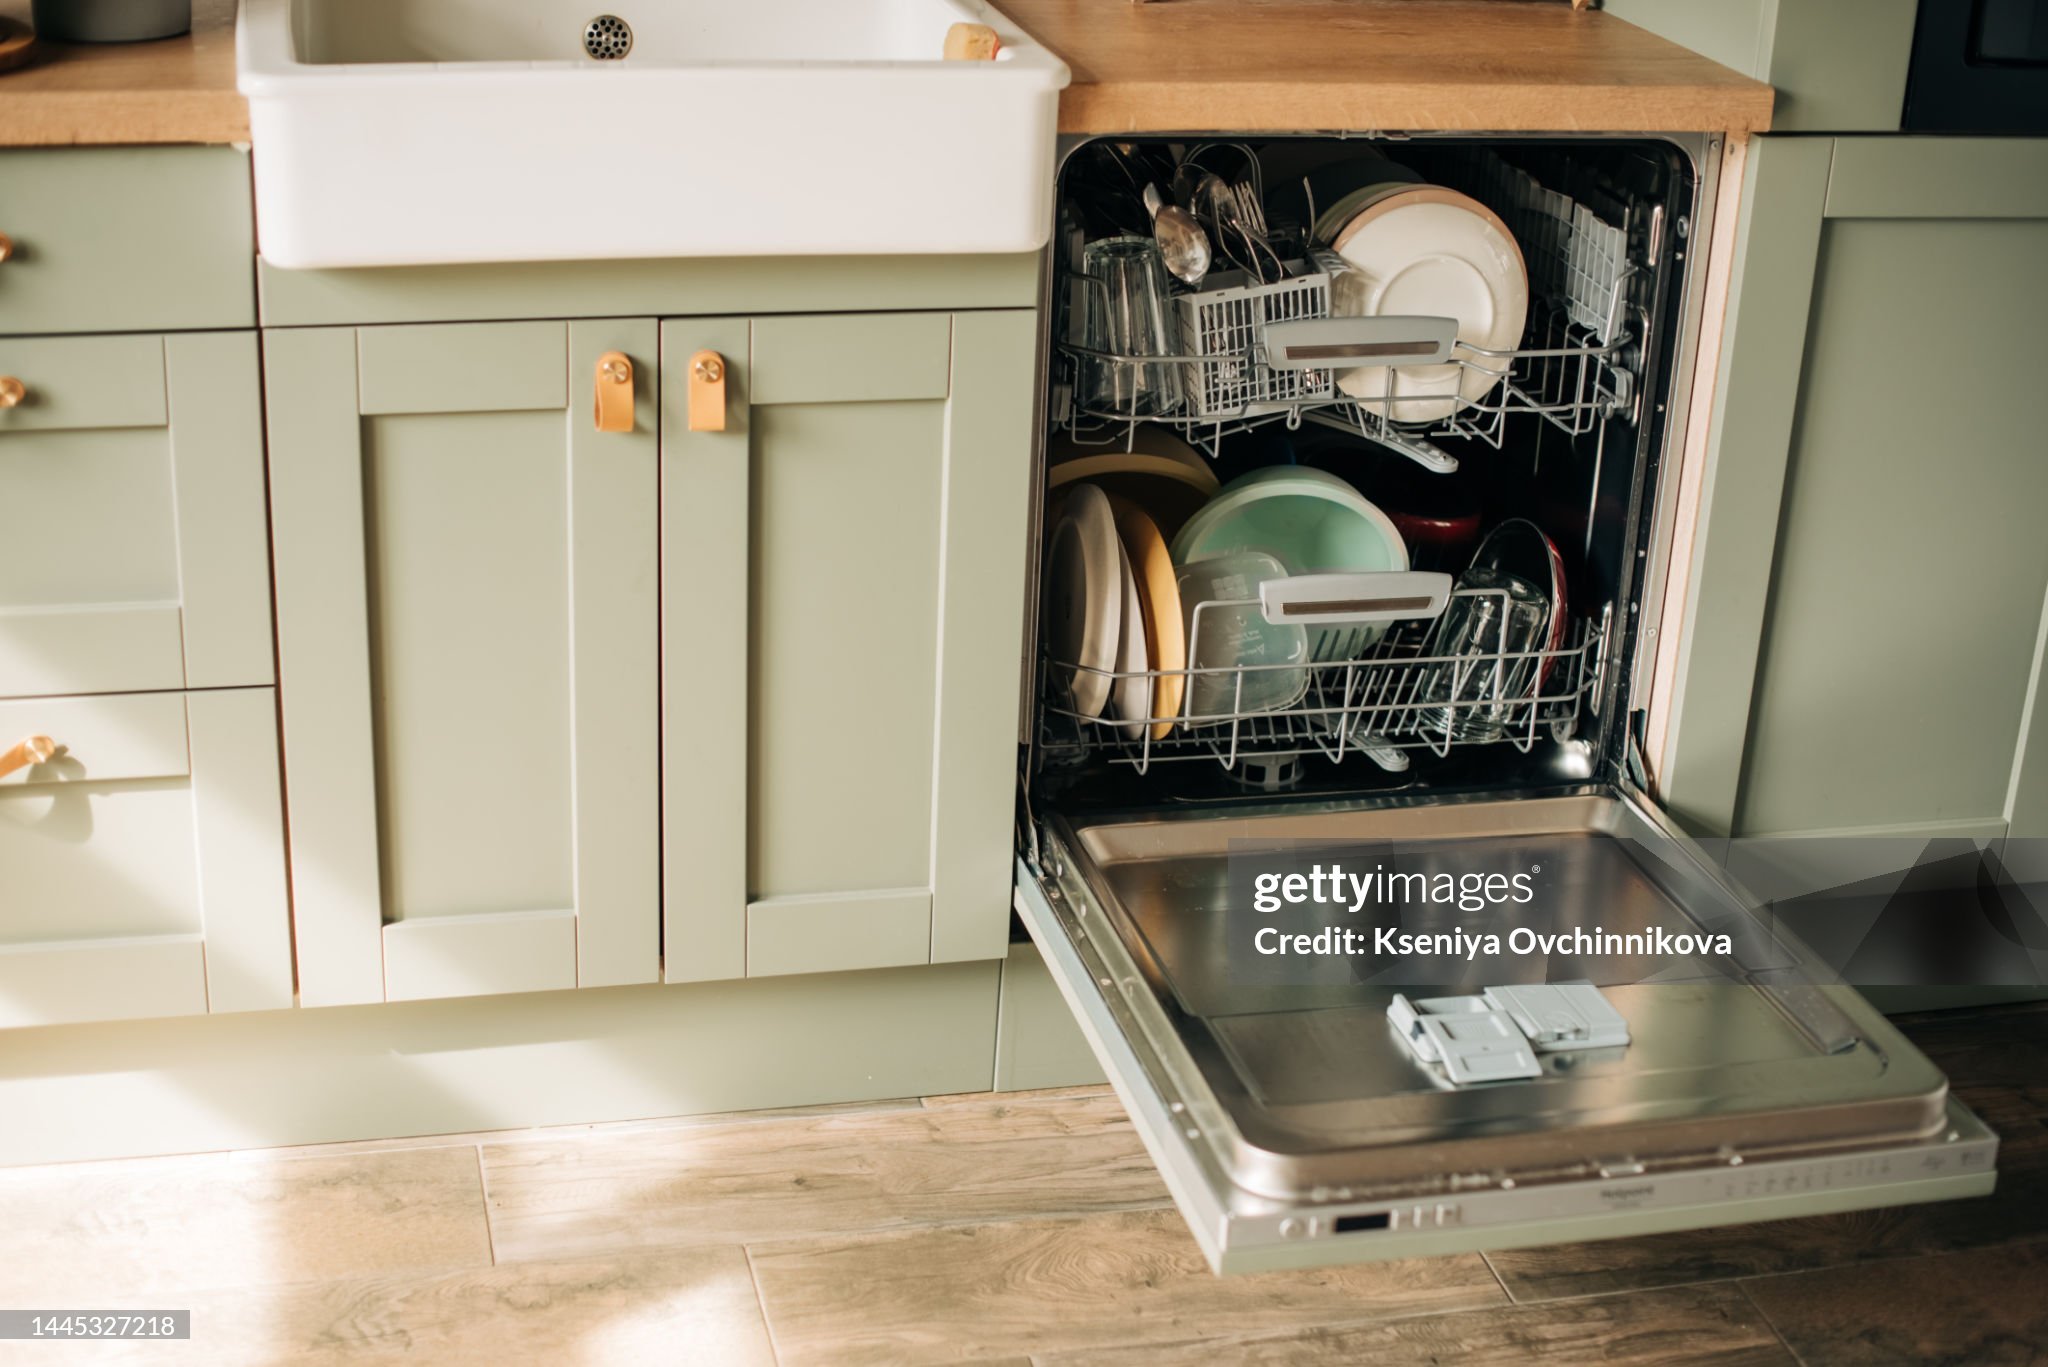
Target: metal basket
[1223, 331]
[1380, 706]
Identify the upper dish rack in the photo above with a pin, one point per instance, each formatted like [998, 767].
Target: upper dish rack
[1400, 695]
[1577, 365]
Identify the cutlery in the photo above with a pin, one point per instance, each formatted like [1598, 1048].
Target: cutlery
[1182, 243]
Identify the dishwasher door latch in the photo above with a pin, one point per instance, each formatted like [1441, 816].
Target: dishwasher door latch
[1496, 1036]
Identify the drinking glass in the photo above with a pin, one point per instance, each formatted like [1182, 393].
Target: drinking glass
[1125, 311]
[1491, 630]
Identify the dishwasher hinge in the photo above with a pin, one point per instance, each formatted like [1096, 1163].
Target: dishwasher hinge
[1632, 762]
[1029, 847]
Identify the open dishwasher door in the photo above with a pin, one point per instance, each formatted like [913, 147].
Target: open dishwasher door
[1296, 1125]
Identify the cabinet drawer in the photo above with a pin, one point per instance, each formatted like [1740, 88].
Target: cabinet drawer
[126, 240]
[132, 468]
[142, 866]
[104, 739]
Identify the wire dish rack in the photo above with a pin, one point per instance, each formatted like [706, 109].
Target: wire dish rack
[1397, 697]
[1577, 365]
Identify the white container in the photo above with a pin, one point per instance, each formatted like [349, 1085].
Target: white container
[401, 132]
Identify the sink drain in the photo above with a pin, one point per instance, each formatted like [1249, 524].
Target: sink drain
[607, 38]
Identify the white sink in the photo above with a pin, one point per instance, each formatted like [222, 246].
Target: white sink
[399, 132]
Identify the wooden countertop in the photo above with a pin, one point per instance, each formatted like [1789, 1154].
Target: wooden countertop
[172, 90]
[1170, 65]
[1306, 65]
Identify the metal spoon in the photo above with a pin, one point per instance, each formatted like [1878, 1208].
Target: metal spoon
[1182, 243]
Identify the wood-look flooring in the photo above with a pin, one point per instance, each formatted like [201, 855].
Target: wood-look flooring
[1009, 1229]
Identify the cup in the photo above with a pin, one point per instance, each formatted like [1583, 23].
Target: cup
[1125, 311]
[1490, 633]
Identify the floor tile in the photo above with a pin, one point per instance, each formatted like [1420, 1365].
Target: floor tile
[689, 1306]
[1681, 1327]
[814, 1175]
[1042, 1286]
[1982, 1307]
[77, 1233]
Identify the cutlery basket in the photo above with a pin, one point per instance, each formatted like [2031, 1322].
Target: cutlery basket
[1223, 332]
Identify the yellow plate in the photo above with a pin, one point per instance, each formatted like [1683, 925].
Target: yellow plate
[1166, 644]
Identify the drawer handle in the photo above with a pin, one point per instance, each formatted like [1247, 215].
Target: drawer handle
[614, 399]
[12, 392]
[707, 392]
[33, 750]
[6, 247]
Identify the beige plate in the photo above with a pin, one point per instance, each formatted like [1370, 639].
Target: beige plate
[1166, 643]
[1432, 393]
[1164, 475]
[1156, 451]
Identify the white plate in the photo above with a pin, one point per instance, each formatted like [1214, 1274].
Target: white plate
[1130, 699]
[1437, 253]
[1084, 595]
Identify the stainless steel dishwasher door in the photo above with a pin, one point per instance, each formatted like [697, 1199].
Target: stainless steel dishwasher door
[1295, 1129]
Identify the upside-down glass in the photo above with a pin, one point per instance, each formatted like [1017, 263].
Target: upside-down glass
[1125, 311]
[1491, 630]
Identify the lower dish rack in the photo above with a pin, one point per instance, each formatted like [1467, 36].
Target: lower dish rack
[1397, 697]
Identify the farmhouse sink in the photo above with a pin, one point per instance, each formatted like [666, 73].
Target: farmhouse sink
[407, 132]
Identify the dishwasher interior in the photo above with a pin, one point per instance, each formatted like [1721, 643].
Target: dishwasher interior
[1372, 482]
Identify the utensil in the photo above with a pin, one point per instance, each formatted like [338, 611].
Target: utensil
[1183, 246]
[1125, 313]
[1219, 203]
[1249, 219]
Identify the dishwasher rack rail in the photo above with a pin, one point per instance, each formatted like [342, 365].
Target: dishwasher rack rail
[1397, 697]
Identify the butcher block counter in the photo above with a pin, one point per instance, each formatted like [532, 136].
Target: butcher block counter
[1313, 65]
[173, 90]
[1169, 65]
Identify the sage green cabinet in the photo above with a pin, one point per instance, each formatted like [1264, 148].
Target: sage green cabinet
[466, 604]
[1839, 66]
[144, 862]
[133, 556]
[842, 611]
[126, 239]
[1865, 643]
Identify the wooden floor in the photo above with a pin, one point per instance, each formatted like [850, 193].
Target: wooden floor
[1016, 1228]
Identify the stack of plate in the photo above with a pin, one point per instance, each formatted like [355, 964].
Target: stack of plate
[1414, 249]
[1113, 613]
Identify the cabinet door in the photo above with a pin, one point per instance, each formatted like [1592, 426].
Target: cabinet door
[142, 866]
[467, 640]
[843, 594]
[132, 474]
[1866, 626]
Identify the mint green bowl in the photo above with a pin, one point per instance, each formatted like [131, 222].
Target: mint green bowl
[1309, 520]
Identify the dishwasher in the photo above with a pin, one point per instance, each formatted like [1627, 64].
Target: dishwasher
[1333, 1111]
